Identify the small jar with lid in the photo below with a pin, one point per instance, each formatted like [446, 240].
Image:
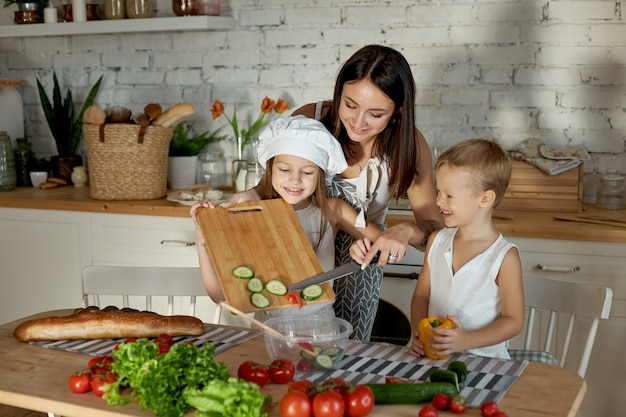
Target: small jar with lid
[138, 9]
[611, 192]
[8, 177]
[211, 168]
[114, 9]
[79, 176]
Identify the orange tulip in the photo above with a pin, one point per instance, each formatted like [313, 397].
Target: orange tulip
[217, 109]
[281, 106]
[267, 105]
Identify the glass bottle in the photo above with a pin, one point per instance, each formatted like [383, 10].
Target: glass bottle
[254, 173]
[611, 191]
[114, 9]
[137, 9]
[8, 178]
[211, 166]
[23, 162]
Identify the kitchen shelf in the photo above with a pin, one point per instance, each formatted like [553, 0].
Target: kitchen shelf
[153, 24]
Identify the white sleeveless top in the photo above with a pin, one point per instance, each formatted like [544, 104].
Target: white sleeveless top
[471, 294]
[310, 218]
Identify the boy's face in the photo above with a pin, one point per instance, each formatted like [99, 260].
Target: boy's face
[294, 179]
[457, 197]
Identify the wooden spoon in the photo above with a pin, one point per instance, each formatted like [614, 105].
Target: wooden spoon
[266, 328]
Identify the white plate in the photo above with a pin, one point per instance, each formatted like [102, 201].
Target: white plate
[175, 197]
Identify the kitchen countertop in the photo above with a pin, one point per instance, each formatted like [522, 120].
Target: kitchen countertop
[510, 223]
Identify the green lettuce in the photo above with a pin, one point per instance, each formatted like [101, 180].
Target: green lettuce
[231, 398]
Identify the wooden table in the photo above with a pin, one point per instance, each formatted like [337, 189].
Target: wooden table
[35, 378]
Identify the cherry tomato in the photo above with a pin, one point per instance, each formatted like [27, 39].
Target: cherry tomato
[253, 372]
[295, 404]
[441, 401]
[337, 385]
[293, 297]
[359, 401]
[98, 382]
[80, 382]
[301, 385]
[457, 404]
[394, 380]
[163, 346]
[305, 366]
[328, 404]
[428, 411]
[488, 409]
[281, 371]
[166, 338]
[100, 364]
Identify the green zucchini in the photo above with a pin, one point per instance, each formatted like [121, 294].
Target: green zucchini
[410, 393]
[460, 369]
[442, 375]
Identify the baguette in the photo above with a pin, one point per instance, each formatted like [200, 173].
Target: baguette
[174, 115]
[107, 323]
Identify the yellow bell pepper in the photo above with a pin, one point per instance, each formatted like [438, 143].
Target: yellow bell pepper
[424, 331]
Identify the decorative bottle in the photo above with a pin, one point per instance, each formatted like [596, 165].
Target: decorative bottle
[8, 176]
[23, 162]
[79, 176]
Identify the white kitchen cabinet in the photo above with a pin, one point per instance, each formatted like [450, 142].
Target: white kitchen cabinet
[603, 264]
[42, 253]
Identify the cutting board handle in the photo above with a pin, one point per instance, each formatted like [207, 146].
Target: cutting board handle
[248, 209]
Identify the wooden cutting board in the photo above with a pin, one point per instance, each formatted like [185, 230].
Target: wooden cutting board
[265, 236]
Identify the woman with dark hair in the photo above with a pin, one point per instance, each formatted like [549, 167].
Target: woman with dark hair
[372, 117]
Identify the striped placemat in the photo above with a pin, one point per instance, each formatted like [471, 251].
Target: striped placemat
[488, 379]
[222, 338]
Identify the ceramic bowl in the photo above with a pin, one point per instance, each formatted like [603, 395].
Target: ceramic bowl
[38, 177]
[328, 337]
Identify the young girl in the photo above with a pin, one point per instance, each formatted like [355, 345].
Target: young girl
[299, 154]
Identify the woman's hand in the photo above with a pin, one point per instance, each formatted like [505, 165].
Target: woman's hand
[359, 249]
[241, 197]
[391, 244]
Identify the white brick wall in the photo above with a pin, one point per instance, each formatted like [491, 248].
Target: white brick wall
[505, 69]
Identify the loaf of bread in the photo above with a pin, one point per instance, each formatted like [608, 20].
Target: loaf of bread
[107, 323]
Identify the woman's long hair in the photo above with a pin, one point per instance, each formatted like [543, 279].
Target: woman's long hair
[390, 72]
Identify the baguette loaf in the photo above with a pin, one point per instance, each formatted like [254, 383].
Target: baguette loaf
[107, 323]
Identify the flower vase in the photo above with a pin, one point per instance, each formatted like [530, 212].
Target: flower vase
[239, 167]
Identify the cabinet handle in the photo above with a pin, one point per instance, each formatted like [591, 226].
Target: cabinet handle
[558, 268]
[177, 243]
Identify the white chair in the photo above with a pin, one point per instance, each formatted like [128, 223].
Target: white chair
[563, 302]
[148, 288]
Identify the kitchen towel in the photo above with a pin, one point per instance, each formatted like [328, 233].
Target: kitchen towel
[222, 338]
[549, 159]
[488, 379]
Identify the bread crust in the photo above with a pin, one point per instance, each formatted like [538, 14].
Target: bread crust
[108, 323]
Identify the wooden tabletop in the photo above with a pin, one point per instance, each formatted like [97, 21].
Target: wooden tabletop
[35, 378]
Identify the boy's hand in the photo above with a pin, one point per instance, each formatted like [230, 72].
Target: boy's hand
[448, 341]
[417, 348]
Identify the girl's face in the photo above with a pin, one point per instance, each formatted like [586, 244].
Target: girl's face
[456, 196]
[294, 179]
[364, 110]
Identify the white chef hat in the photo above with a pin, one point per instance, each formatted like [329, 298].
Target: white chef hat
[304, 137]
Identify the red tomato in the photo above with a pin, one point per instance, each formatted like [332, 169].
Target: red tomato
[100, 364]
[441, 401]
[337, 385]
[394, 380]
[80, 382]
[98, 382]
[488, 409]
[358, 402]
[166, 338]
[328, 404]
[253, 372]
[281, 371]
[163, 346]
[428, 411]
[301, 385]
[293, 297]
[295, 404]
[457, 404]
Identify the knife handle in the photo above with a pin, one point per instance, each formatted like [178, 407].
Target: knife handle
[374, 261]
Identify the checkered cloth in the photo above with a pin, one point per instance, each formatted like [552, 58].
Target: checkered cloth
[488, 379]
[532, 356]
[222, 338]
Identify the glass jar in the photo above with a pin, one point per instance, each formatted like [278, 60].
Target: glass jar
[254, 173]
[23, 161]
[211, 167]
[611, 191]
[114, 9]
[8, 178]
[138, 9]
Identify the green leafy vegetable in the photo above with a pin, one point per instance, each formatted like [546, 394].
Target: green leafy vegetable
[232, 398]
[158, 380]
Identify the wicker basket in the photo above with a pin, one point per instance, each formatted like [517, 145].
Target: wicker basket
[127, 162]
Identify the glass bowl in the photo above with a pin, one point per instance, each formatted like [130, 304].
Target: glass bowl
[326, 336]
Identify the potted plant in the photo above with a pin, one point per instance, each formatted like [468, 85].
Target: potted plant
[183, 154]
[66, 127]
[28, 5]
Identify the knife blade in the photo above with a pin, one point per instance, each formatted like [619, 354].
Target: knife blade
[340, 271]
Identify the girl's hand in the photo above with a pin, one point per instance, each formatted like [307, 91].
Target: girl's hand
[193, 211]
[241, 197]
[359, 249]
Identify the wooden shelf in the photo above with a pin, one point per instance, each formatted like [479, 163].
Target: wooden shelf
[154, 24]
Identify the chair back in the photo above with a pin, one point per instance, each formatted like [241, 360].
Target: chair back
[556, 308]
[164, 290]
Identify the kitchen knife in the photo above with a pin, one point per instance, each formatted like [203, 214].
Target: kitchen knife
[338, 272]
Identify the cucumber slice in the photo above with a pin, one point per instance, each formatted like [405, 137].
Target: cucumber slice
[310, 357]
[243, 272]
[276, 287]
[323, 362]
[255, 285]
[312, 292]
[260, 301]
[460, 369]
[332, 351]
